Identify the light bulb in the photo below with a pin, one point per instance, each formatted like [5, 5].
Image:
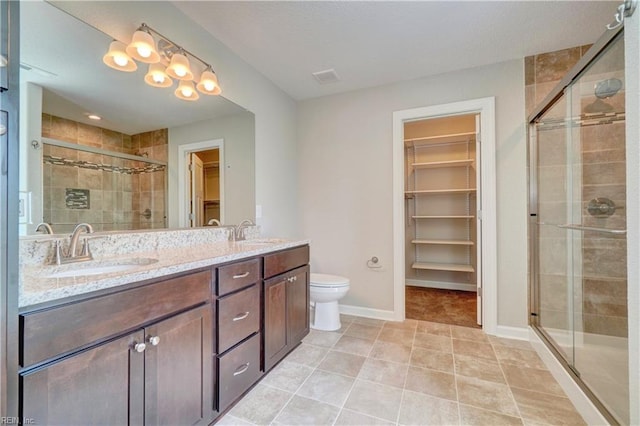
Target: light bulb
[209, 85]
[180, 71]
[187, 91]
[144, 51]
[158, 78]
[120, 60]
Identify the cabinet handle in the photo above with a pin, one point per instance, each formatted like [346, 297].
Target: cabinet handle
[139, 347]
[292, 279]
[246, 274]
[241, 369]
[240, 317]
[154, 340]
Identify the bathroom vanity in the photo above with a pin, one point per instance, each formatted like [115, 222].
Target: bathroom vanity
[173, 349]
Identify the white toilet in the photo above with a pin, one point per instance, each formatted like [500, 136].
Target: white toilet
[326, 290]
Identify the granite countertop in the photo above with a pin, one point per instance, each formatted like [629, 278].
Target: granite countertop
[46, 283]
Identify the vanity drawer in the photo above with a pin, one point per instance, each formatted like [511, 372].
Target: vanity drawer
[52, 332]
[238, 275]
[238, 370]
[284, 261]
[238, 316]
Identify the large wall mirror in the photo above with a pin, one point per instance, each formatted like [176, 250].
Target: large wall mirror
[130, 169]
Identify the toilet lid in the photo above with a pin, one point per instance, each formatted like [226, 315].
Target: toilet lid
[326, 280]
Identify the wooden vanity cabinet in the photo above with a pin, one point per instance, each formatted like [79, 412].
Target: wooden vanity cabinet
[238, 339]
[149, 366]
[286, 302]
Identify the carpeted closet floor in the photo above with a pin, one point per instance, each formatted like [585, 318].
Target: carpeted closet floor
[444, 306]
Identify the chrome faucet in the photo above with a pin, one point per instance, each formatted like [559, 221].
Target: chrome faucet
[71, 255]
[238, 230]
[45, 227]
[213, 222]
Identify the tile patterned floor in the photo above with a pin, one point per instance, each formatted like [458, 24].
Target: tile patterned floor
[438, 305]
[374, 372]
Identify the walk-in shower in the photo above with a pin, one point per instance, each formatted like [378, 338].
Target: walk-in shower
[578, 226]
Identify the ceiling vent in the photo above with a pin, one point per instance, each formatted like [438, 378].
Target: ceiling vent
[326, 76]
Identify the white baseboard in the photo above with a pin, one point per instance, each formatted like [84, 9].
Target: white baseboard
[441, 284]
[583, 404]
[518, 333]
[359, 311]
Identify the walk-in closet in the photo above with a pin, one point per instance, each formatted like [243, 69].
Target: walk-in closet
[441, 197]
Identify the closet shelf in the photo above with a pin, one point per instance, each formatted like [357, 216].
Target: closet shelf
[442, 191]
[444, 217]
[441, 139]
[440, 164]
[456, 267]
[445, 242]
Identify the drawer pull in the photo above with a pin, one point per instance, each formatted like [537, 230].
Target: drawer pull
[240, 317]
[139, 347]
[241, 369]
[246, 274]
[292, 279]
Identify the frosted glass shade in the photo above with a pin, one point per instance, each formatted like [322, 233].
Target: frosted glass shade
[143, 48]
[186, 91]
[208, 84]
[118, 59]
[179, 67]
[157, 77]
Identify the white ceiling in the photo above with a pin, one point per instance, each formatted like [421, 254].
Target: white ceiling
[370, 43]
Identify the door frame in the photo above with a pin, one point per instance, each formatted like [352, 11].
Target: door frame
[184, 191]
[485, 107]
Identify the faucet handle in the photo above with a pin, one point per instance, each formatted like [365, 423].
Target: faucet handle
[86, 251]
[59, 252]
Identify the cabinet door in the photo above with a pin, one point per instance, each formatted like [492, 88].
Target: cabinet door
[297, 306]
[178, 370]
[275, 320]
[98, 386]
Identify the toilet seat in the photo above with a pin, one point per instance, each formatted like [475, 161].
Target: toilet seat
[328, 281]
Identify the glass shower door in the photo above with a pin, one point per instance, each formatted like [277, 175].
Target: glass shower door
[581, 276]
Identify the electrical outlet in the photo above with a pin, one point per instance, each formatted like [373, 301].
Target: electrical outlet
[24, 207]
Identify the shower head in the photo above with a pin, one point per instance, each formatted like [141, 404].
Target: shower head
[607, 88]
[603, 89]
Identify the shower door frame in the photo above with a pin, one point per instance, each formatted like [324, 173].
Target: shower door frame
[549, 101]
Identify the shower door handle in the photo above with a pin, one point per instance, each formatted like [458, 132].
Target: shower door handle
[592, 228]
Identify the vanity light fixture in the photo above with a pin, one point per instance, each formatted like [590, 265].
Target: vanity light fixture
[118, 59]
[167, 61]
[179, 67]
[186, 91]
[157, 77]
[143, 47]
[209, 83]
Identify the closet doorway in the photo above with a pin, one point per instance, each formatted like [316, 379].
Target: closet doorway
[442, 170]
[444, 214]
[204, 168]
[201, 192]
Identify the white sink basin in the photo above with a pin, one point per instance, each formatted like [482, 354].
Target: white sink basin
[98, 267]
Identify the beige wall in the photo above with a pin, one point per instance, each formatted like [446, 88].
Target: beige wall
[345, 189]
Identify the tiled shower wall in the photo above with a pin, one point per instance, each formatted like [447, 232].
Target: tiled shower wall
[119, 190]
[600, 295]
